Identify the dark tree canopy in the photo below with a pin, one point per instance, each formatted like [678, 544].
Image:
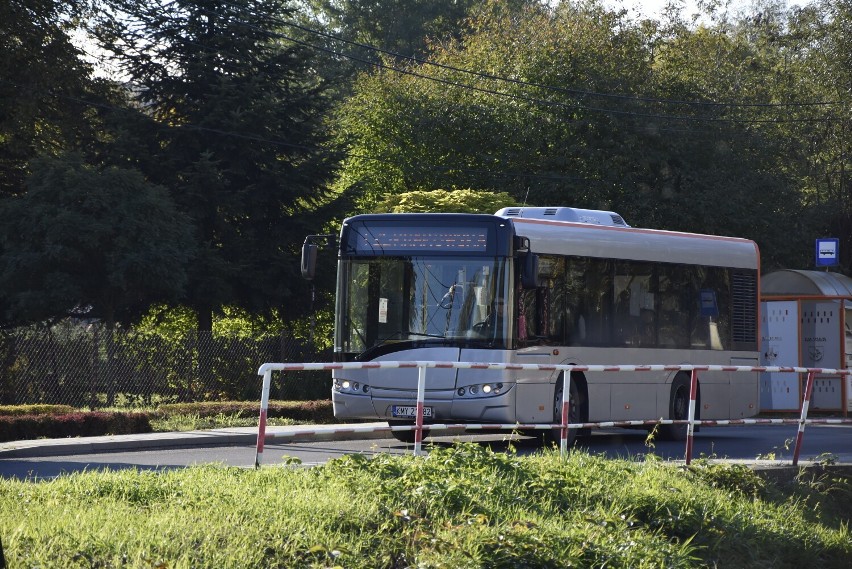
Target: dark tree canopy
[403, 27]
[93, 243]
[240, 144]
[42, 82]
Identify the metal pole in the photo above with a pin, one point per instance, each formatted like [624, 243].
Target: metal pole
[313, 316]
[690, 426]
[421, 396]
[261, 426]
[566, 412]
[806, 403]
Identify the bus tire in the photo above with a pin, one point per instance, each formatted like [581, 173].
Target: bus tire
[678, 409]
[574, 406]
[403, 436]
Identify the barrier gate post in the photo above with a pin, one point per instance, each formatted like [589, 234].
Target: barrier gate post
[806, 403]
[421, 397]
[690, 425]
[261, 427]
[566, 411]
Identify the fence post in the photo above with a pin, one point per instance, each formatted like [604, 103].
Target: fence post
[806, 403]
[690, 425]
[421, 397]
[566, 412]
[261, 426]
[94, 377]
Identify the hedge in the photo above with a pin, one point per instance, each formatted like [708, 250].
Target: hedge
[88, 424]
[26, 422]
[37, 409]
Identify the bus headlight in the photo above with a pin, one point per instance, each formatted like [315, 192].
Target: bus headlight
[481, 390]
[347, 386]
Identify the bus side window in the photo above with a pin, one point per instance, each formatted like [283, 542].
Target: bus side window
[551, 300]
[635, 292]
[676, 312]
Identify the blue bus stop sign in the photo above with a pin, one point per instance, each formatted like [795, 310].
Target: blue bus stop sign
[827, 252]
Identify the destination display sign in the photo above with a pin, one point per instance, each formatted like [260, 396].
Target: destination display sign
[411, 240]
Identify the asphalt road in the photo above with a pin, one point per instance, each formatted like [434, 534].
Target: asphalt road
[751, 444]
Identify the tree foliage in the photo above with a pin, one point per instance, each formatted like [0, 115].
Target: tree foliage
[736, 124]
[444, 201]
[676, 127]
[404, 27]
[90, 243]
[42, 81]
[238, 143]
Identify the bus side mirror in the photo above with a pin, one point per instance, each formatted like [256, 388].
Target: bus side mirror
[309, 261]
[529, 271]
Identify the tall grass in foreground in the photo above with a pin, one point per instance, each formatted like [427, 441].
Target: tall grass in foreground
[464, 506]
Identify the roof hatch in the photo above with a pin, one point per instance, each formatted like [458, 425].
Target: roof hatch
[592, 216]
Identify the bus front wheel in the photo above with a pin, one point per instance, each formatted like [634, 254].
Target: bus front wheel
[403, 436]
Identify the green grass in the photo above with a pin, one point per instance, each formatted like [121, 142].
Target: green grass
[464, 506]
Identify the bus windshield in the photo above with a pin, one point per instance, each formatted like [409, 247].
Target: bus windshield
[388, 300]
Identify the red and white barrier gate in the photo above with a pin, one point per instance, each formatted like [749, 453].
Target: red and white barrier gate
[564, 426]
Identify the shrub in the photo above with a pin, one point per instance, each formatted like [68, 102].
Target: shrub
[80, 424]
[38, 409]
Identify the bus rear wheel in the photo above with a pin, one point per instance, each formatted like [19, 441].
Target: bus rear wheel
[555, 435]
[678, 409]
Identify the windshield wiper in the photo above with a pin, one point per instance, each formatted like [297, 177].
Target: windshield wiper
[399, 335]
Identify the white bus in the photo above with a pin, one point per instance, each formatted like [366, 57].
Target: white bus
[552, 285]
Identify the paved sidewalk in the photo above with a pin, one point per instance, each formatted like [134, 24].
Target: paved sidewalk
[184, 439]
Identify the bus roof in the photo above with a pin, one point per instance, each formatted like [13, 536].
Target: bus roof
[584, 239]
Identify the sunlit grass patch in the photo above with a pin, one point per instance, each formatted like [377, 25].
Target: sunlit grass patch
[463, 506]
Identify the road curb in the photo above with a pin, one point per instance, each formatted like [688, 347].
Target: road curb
[186, 439]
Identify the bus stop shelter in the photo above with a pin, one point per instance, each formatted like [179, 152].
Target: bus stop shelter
[806, 321]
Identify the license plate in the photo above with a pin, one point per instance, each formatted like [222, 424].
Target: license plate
[410, 411]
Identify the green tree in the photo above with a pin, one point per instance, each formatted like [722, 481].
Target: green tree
[444, 201]
[820, 36]
[404, 27]
[94, 243]
[239, 139]
[42, 81]
[498, 110]
[578, 105]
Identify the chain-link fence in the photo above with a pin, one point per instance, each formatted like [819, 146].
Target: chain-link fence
[90, 366]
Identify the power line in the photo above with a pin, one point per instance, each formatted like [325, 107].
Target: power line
[572, 91]
[529, 99]
[371, 158]
[311, 148]
[510, 80]
[535, 100]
